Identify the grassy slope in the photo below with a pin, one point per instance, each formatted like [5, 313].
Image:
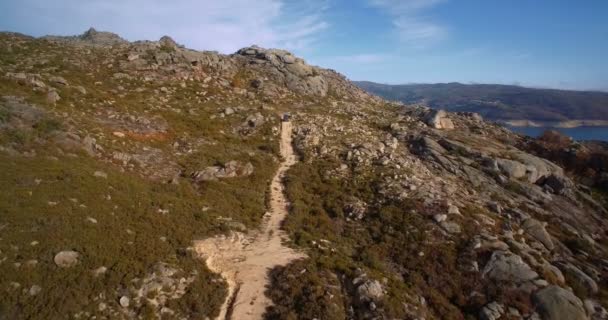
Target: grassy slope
[48, 196]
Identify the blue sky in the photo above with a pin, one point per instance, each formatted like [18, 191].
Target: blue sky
[541, 43]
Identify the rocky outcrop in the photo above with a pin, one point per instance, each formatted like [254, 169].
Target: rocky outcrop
[231, 169]
[439, 119]
[93, 37]
[294, 72]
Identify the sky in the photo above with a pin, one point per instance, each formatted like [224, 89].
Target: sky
[538, 43]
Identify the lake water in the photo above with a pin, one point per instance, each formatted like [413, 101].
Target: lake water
[579, 133]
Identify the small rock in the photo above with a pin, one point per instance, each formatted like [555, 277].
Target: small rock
[52, 97]
[228, 111]
[495, 207]
[450, 227]
[492, 311]
[100, 174]
[59, 80]
[81, 89]
[453, 210]
[124, 301]
[66, 259]
[370, 290]
[440, 218]
[118, 134]
[99, 271]
[34, 290]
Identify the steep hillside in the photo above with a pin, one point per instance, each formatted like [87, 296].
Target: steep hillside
[144, 180]
[500, 102]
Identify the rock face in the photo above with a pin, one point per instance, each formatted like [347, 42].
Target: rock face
[555, 303]
[231, 169]
[439, 119]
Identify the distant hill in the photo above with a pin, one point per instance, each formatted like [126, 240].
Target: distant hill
[501, 102]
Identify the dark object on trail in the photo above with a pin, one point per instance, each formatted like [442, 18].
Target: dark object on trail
[286, 117]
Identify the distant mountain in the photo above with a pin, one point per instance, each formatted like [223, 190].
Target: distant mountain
[502, 102]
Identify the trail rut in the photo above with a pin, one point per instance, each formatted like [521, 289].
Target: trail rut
[244, 260]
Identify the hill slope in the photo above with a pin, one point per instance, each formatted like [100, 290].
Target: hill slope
[120, 160]
[500, 102]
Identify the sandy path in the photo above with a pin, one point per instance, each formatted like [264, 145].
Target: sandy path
[245, 259]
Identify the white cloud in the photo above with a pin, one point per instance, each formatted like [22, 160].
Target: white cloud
[223, 25]
[410, 21]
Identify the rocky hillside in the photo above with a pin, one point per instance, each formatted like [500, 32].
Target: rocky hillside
[116, 156]
[503, 102]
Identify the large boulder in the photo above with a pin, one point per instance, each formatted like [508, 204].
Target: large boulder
[528, 167]
[507, 266]
[538, 167]
[579, 277]
[555, 303]
[511, 169]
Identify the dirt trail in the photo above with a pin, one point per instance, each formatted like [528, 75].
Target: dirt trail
[245, 259]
